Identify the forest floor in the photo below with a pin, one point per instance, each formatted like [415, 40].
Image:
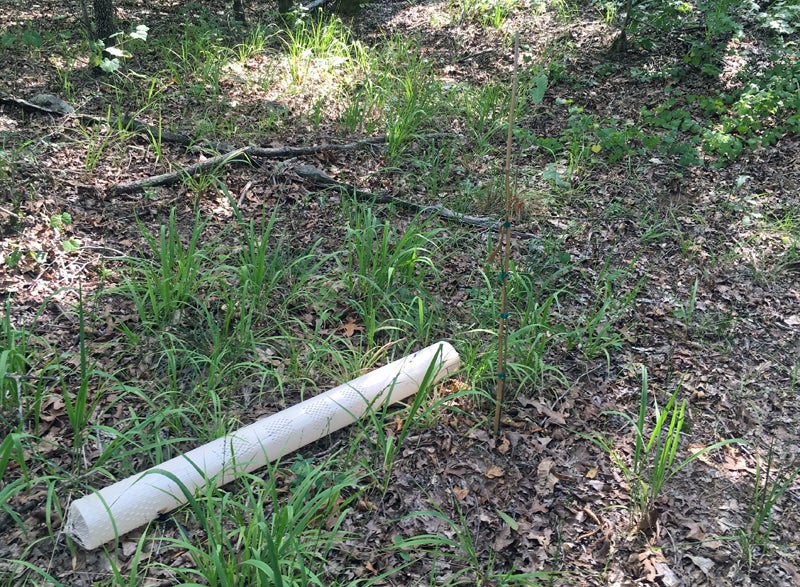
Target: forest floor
[702, 258]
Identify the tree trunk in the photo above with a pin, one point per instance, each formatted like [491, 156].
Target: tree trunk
[238, 11]
[348, 7]
[620, 44]
[104, 21]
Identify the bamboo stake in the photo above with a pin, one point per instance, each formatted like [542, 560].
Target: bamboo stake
[504, 248]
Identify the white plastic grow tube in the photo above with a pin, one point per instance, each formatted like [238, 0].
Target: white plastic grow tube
[117, 509]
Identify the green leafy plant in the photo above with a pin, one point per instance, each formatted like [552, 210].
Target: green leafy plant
[484, 109]
[109, 58]
[534, 334]
[643, 20]
[531, 341]
[756, 113]
[60, 221]
[12, 450]
[413, 96]
[71, 244]
[322, 44]
[200, 182]
[493, 13]
[29, 37]
[275, 540]
[257, 40]
[420, 318]
[412, 111]
[81, 399]
[362, 113]
[781, 16]
[196, 57]
[96, 140]
[386, 266]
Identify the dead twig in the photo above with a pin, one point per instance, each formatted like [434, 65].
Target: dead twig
[10, 213]
[597, 521]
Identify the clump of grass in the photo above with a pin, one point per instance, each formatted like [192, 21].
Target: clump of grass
[489, 13]
[14, 363]
[318, 43]
[169, 285]
[769, 487]
[390, 273]
[655, 449]
[81, 399]
[275, 530]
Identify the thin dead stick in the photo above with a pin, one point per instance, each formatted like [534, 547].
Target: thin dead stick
[504, 245]
[9, 212]
[314, 149]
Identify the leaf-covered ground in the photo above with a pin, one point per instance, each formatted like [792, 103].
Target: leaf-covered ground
[705, 255]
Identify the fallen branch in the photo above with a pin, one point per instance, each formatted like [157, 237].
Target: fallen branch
[132, 124]
[10, 213]
[235, 156]
[172, 178]
[312, 150]
[312, 5]
[319, 179]
[41, 104]
[48, 104]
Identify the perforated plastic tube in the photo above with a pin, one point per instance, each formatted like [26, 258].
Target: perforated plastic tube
[117, 509]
